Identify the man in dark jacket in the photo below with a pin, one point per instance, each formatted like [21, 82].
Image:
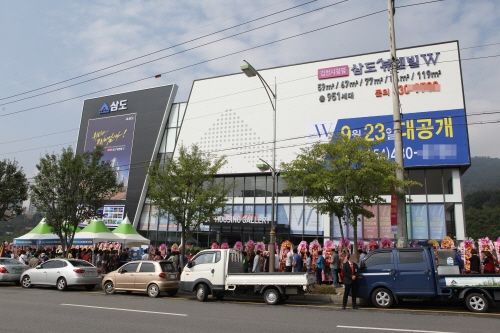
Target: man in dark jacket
[350, 270]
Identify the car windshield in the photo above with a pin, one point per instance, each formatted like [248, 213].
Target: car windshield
[167, 267]
[7, 261]
[80, 263]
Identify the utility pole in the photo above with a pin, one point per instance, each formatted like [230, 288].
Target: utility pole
[398, 140]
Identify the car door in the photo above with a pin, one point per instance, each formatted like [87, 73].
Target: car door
[202, 267]
[145, 274]
[38, 275]
[54, 271]
[377, 270]
[413, 273]
[125, 277]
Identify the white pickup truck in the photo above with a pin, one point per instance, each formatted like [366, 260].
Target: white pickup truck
[220, 272]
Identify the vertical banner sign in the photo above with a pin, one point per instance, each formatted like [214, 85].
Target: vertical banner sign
[115, 135]
[394, 213]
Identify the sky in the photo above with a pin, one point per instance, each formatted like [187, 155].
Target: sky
[46, 42]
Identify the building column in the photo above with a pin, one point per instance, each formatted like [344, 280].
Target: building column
[459, 222]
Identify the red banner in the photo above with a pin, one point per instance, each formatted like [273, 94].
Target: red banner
[394, 210]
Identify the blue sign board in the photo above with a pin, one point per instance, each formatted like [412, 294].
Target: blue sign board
[435, 138]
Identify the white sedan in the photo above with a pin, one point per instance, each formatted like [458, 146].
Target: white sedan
[62, 273]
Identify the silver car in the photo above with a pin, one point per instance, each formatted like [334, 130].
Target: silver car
[11, 270]
[62, 273]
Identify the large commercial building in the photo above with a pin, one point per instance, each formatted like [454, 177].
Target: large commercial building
[232, 116]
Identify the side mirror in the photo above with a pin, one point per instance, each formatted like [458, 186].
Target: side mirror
[190, 264]
[123, 271]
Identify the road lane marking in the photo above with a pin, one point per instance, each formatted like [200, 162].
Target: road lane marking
[128, 310]
[389, 329]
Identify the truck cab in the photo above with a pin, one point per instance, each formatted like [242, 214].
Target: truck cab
[389, 274]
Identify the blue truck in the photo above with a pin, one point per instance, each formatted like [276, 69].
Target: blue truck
[390, 275]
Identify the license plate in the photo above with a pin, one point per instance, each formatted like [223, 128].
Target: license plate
[172, 276]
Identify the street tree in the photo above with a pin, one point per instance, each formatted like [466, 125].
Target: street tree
[13, 189]
[186, 188]
[69, 189]
[347, 173]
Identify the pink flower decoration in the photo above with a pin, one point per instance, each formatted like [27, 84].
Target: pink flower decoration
[238, 246]
[314, 246]
[302, 247]
[214, 246]
[344, 243]
[372, 245]
[361, 244]
[328, 244]
[250, 245]
[224, 246]
[163, 246]
[386, 243]
[259, 246]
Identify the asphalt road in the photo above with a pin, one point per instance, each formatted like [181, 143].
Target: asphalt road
[75, 311]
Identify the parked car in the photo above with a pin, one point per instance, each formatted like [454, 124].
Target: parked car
[62, 273]
[11, 270]
[152, 277]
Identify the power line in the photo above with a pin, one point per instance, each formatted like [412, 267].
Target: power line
[160, 50]
[202, 62]
[38, 148]
[39, 136]
[167, 56]
[192, 65]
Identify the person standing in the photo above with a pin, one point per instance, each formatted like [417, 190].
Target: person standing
[350, 270]
[244, 261]
[475, 263]
[335, 266]
[297, 261]
[308, 262]
[256, 263]
[320, 265]
[289, 260]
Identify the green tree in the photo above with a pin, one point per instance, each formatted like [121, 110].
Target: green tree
[344, 174]
[186, 188]
[482, 213]
[13, 189]
[69, 188]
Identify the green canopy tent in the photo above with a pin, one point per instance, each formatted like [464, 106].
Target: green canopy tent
[128, 235]
[41, 234]
[95, 232]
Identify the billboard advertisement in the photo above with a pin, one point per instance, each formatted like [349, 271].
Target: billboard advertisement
[115, 135]
[130, 127]
[232, 115]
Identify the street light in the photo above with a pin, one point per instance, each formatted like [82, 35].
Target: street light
[250, 71]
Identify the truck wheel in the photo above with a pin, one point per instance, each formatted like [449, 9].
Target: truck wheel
[382, 298]
[272, 296]
[201, 292]
[476, 302]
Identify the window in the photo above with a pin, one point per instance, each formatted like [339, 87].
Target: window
[379, 260]
[4, 261]
[282, 190]
[217, 256]
[167, 266]
[418, 176]
[434, 181]
[56, 264]
[260, 186]
[80, 263]
[411, 257]
[129, 268]
[204, 258]
[239, 187]
[49, 264]
[448, 181]
[249, 186]
[147, 267]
